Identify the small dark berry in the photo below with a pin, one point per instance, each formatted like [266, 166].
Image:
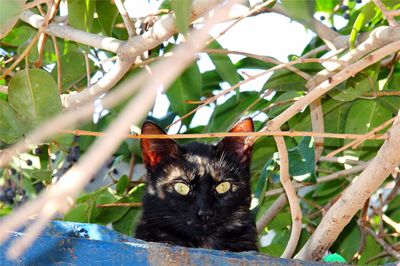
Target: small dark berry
[38, 187]
[37, 151]
[346, 16]
[28, 162]
[344, 7]
[322, 17]
[115, 171]
[358, 1]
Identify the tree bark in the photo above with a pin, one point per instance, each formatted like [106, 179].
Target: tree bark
[354, 197]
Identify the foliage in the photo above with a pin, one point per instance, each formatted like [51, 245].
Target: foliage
[33, 96]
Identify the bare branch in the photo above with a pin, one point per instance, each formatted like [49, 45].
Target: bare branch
[332, 39]
[295, 210]
[327, 85]
[125, 16]
[389, 17]
[354, 197]
[272, 211]
[79, 132]
[79, 175]
[355, 143]
[354, 170]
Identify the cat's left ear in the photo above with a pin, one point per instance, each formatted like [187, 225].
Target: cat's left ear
[236, 146]
[154, 151]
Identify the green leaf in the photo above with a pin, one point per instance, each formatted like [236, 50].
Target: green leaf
[73, 68]
[335, 121]
[210, 80]
[127, 224]
[302, 161]
[263, 150]
[122, 184]
[354, 87]
[80, 14]
[9, 14]
[186, 87]
[287, 80]
[262, 184]
[368, 11]
[300, 10]
[18, 35]
[33, 94]
[228, 113]
[182, 9]
[284, 97]
[77, 214]
[11, 127]
[325, 5]
[107, 13]
[252, 63]
[364, 116]
[224, 66]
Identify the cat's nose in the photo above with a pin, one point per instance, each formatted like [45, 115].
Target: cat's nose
[205, 215]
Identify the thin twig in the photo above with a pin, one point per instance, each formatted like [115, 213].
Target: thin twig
[358, 141]
[23, 54]
[125, 17]
[120, 204]
[35, 3]
[341, 160]
[382, 93]
[58, 60]
[295, 210]
[393, 192]
[382, 242]
[343, 173]
[390, 19]
[227, 134]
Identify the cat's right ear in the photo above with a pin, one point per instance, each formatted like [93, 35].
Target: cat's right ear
[154, 151]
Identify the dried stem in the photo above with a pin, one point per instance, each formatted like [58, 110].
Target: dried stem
[355, 143]
[79, 132]
[389, 17]
[322, 179]
[125, 17]
[295, 210]
[386, 246]
[120, 204]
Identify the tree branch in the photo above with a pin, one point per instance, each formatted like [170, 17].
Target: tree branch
[295, 210]
[80, 174]
[353, 198]
[327, 85]
[332, 39]
[389, 17]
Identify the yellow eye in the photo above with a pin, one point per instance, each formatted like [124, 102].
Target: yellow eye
[223, 187]
[182, 188]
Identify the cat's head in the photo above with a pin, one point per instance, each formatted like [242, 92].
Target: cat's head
[197, 186]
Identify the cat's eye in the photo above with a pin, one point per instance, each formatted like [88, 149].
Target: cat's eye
[223, 187]
[182, 188]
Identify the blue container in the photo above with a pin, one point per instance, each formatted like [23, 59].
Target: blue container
[67, 243]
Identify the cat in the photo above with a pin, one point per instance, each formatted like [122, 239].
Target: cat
[198, 195]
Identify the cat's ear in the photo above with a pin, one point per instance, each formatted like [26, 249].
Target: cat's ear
[236, 146]
[154, 151]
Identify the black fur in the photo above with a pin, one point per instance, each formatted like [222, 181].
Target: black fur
[203, 218]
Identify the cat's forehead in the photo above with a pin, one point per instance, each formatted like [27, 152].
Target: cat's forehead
[216, 167]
